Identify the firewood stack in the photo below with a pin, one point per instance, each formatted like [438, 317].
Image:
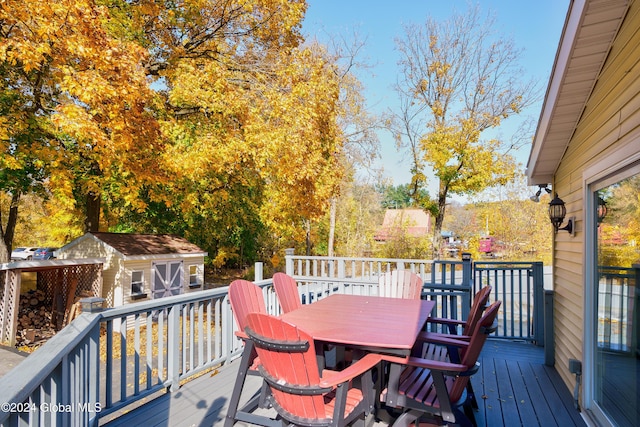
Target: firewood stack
[34, 319]
[38, 320]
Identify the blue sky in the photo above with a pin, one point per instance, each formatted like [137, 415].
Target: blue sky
[535, 27]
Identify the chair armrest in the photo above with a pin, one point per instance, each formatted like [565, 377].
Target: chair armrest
[242, 335]
[358, 368]
[434, 365]
[461, 341]
[445, 321]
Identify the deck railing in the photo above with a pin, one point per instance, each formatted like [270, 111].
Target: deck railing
[520, 287]
[104, 362]
[618, 308]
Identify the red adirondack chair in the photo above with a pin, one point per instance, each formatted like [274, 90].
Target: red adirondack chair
[299, 393]
[400, 284]
[246, 297]
[287, 292]
[289, 299]
[438, 389]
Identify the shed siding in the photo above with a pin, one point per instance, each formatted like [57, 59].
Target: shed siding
[145, 265]
[116, 288]
[125, 279]
[91, 248]
[610, 118]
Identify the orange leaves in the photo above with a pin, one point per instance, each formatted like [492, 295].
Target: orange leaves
[207, 106]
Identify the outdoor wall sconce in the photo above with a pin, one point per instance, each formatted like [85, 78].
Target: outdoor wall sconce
[536, 197]
[602, 209]
[557, 212]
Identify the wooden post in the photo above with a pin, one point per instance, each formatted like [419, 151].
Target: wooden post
[549, 344]
[10, 306]
[70, 300]
[288, 254]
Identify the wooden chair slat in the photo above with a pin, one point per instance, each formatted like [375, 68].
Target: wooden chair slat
[287, 292]
[400, 284]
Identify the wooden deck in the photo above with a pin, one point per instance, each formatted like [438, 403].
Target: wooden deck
[514, 388]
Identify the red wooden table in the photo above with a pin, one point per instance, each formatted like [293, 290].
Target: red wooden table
[379, 324]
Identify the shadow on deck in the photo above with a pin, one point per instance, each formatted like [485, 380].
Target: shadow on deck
[514, 388]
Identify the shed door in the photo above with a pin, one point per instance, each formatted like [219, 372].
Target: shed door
[167, 278]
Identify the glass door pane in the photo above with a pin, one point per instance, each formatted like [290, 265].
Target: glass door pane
[617, 362]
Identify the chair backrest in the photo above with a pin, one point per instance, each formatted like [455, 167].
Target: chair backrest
[287, 292]
[288, 364]
[400, 284]
[477, 308]
[485, 326]
[245, 297]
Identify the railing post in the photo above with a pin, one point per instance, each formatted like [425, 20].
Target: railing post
[288, 259]
[538, 303]
[467, 282]
[549, 343]
[258, 272]
[342, 271]
[173, 348]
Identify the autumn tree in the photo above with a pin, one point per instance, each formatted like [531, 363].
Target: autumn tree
[457, 81]
[250, 115]
[74, 109]
[356, 126]
[203, 118]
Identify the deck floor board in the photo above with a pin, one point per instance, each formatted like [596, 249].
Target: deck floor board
[513, 387]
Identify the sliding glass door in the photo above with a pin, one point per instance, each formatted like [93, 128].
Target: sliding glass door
[616, 356]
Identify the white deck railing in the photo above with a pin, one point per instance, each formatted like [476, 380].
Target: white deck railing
[103, 362]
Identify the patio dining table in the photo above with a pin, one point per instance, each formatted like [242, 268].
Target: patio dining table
[371, 323]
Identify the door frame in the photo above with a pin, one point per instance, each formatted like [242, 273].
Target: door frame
[169, 279]
[616, 166]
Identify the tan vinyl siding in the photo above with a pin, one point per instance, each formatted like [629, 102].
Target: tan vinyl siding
[91, 248]
[199, 264]
[612, 114]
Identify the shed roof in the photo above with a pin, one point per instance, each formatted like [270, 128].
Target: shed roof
[148, 244]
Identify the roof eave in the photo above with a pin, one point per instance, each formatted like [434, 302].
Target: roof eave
[556, 128]
[558, 72]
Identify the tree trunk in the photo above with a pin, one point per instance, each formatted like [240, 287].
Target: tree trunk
[437, 230]
[332, 227]
[308, 239]
[92, 210]
[9, 231]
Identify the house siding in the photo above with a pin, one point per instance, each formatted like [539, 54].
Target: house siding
[610, 120]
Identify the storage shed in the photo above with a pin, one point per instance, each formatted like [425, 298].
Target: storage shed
[141, 266]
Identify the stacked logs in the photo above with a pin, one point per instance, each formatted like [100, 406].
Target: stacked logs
[34, 319]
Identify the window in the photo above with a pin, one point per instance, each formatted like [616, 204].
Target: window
[194, 280]
[137, 284]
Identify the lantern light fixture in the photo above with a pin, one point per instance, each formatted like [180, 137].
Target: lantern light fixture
[602, 209]
[557, 212]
